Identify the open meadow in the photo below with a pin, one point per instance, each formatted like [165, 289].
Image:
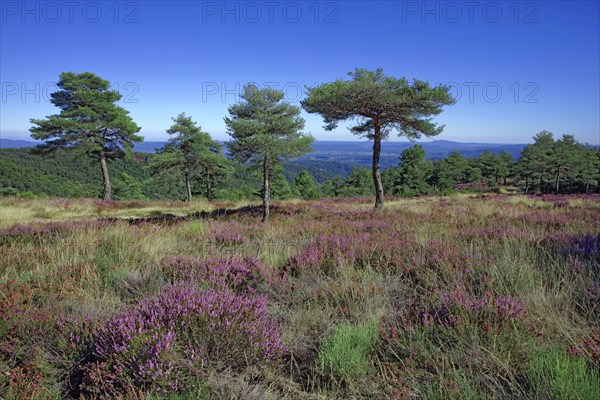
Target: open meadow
[430, 298]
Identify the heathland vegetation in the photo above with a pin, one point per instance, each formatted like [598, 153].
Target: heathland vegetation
[448, 298]
[464, 292]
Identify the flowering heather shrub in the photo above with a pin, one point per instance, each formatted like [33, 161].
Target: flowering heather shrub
[227, 233]
[581, 251]
[327, 253]
[486, 310]
[584, 247]
[544, 219]
[109, 205]
[26, 317]
[166, 340]
[556, 200]
[449, 261]
[49, 228]
[26, 382]
[496, 232]
[234, 273]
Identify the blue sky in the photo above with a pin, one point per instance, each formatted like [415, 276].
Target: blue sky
[516, 67]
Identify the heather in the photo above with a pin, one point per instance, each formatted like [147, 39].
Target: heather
[467, 296]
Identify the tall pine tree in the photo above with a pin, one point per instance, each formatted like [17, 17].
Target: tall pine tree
[89, 120]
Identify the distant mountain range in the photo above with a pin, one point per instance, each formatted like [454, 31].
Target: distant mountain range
[354, 153]
[360, 153]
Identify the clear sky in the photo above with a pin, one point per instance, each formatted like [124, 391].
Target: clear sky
[516, 68]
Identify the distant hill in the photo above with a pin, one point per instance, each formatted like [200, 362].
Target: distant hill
[15, 144]
[360, 153]
[144, 147]
[350, 152]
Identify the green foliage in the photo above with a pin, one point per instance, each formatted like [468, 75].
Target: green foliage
[414, 173]
[193, 155]
[8, 192]
[554, 374]
[129, 187]
[89, 121]
[264, 129]
[263, 126]
[453, 170]
[280, 187]
[494, 167]
[561, 166]
[306, 187]
[379, 104]
[68, 174]
[346, 354]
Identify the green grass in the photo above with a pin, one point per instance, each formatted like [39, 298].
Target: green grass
[554, 374]
[353, 324]
[346, 354]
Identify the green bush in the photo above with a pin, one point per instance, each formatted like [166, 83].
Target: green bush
[8, 192]
[346, 353]
[554, 374]
[27, 195]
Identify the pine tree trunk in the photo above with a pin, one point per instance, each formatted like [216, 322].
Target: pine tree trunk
[375, 168]
[266, 189]
[188, 187]
[557, 179]
[105, 178]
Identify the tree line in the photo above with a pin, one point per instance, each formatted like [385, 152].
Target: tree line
[265, 131]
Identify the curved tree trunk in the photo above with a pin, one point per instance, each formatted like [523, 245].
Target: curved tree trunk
[188, 187]
[105, 178]
[265, 189]
[375, 168]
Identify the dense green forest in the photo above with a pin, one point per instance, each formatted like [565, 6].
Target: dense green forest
[546, 166]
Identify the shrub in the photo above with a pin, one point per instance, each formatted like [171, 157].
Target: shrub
[553, 374]
[346, 353]
[227, 234]
[9, 192]
[371, 246]
[167, 342]
[27, 195]
[241, 275]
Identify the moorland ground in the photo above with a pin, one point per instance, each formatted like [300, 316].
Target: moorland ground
[460, 297]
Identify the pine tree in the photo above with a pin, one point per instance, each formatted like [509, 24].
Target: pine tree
[380, 104]
[265, 129]
[89, 121]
